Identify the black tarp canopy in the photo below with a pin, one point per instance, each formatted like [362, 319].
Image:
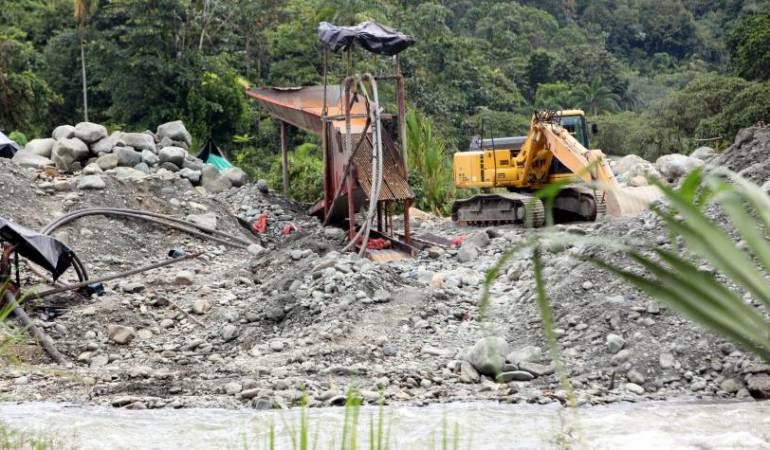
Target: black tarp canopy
[42, 250]
[368, 35]
[8, 148]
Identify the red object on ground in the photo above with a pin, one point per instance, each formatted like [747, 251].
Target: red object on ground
[458, 240]
[374, 243]
[260, 225]
[290, 228]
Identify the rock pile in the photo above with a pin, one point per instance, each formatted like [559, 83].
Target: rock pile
[88, 149]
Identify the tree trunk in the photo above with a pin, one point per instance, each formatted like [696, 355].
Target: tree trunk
[83, 72]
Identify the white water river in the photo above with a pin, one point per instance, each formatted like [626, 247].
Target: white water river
[651, 425]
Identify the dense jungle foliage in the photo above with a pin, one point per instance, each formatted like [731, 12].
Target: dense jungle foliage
[657, 77]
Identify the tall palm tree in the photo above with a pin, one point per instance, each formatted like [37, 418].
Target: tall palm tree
[596, 98]
[83, 10]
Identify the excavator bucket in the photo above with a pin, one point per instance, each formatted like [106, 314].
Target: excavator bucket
[630, 201]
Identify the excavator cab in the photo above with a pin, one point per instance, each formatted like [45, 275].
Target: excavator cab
[574, 121]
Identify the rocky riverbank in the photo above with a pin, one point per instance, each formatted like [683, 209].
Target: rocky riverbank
[292, 316]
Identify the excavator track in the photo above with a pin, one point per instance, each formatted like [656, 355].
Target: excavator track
[498, 209]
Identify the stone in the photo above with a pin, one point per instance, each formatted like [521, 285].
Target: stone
[208, 220]
[108, 161]
[120, 334]
[334, 234]
[133, 288]
[468, 373]
[129, 173]
[68, 151]
[229, 332]
[615, 343]
[730, 385]
[479, 239]
[42, 147]
[277, 346]
[171, 167]
[142, 167]
[621, 357]
[192, 163]
[631, 166]
[212, 181]
[201, 306]
[233, 388]
[255, 249]
[703, 153]
[90, 132]
[636, 377]
[263, 187]
[174, 155]
[538, 370]
[634, 388]
[236, 175]
[467, 254]
[528, 353]
[516, 375]
[666, 360]
[139, 141]
[149, 157]
[193, 175]
[175, 131]
[744, 136]
[63, 132]
[91, 182]
[106, 145]
[31, 160]
[127, 156]
[184, 277]
[675, 165]
[638, 181]
[488, 355]
[758, 385]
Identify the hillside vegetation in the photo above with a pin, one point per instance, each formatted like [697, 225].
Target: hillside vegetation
[656, 76]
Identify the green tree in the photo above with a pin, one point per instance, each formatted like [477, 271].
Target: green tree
[595, 98]
[749, 45]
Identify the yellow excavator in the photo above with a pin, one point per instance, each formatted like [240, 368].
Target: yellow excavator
[555, 149]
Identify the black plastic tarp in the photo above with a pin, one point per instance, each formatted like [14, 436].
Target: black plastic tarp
[368, 35]
[43, 250]
[8, 148]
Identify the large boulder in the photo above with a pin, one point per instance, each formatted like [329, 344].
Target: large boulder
[67, 151]
[175, 131]
[149, 158]
[703, 153]
[174, 155]
[108, 161]
[90, 132]
[236, 176]
[91, 182]
[488, 355]
[42, 147]
[106, 145]
[31, 160]
[675, 165]
[139, 141]
[213, 181]
[63, 132]
[127, 156]
[630, 166]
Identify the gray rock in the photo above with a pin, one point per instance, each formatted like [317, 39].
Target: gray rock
[107, 161]
[184, 277]
[621, 357]
[121, 334]
[468, 373]
[229, 332]
[42, 147]
[703, 153]
[634, 388]
[233, 388]
[528, 353]
[130, 173]
[192, 164]
[142, 167]
[133, 288]
[538, 370]
[255, 249]
[758, 385]
[666, 360]
[213, 181]
[208, 220]
[277, 346]
[675, 165]
[31, 160]
[201, 306]
[175, 131]
[516, 375]
[127, 156]
[479, 239]
[193, 175]
[63, 132]
[334, 234]
[149, 157]
[68, 151]
[467, 254]
[488, 355]
[615, 343]
[91, 182]
[174, 155]
[731, 385]
[171, 167]
[744, 136]
[263, 186]
[635, 377]
[106, 145]
[631, 166]
[90, 132]
[236, 176]
[139, 141]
